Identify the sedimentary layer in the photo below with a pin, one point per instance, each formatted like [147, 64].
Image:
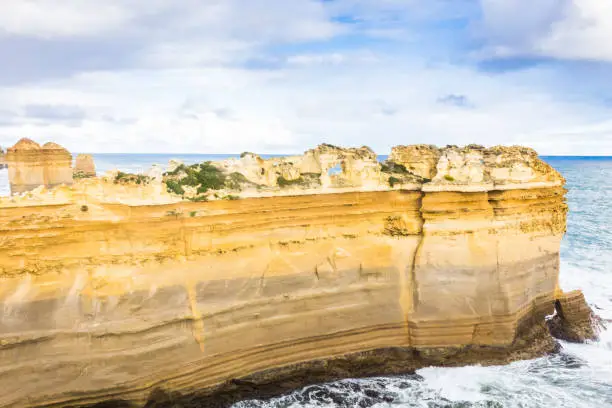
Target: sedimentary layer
[116, 292]
[31, 165]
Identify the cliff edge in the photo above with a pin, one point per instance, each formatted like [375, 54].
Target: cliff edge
[246, 277]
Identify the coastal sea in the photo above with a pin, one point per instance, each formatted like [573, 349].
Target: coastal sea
[580, 376]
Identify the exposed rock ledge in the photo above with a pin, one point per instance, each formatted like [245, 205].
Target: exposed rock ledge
[114, 289]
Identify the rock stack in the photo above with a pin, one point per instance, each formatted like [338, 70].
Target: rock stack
[26, 168]
[31, 165]
[574, 320]
[84, 166]
[57, 165]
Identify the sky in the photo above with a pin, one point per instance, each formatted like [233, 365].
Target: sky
[281, 76]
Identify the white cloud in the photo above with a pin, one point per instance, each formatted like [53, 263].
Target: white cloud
[263, 20]
[184, 87]
[310, 59]
[568, 29]
[49, 18]
[219, 110]
[332, 58]
[186, 54]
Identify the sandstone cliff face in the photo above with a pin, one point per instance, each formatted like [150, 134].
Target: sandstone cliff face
[26, 168]
[57, 165]
[110, 295]
[31, 165]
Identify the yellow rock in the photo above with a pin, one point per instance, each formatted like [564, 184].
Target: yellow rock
[114, 291]
[31, 165]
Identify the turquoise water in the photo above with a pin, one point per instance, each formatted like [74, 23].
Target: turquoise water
[579, 377]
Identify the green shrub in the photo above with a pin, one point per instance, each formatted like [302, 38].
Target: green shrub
[209, 177]
[128, 178]
[305, 180]
[173, 186]
[236, 180]
[198, 199]
[81, 175]
[120, 176]
[391, 167]
[393, 181]
[177, 170]
[283, 182]
[204, 175]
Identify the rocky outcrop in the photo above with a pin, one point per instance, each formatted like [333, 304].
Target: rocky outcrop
[332, 169]
[26, 166]
[31, 165]
[118, 291]
[499, 167]
[324, 167]
[418, 159]
[57, 163]
[574, 320]
[84, 166]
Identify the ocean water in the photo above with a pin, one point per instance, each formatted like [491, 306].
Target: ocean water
[580, 376]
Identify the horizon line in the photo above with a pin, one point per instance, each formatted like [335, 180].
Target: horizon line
[294, 154]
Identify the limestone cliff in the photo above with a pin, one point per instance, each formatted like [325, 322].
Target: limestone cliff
[118, 289]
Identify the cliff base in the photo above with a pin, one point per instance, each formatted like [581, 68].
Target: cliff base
[534, 340]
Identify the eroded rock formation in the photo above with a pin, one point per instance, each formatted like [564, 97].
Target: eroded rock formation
[84, 166]
[574, 320]
[26, 168]
[57, 165]
[31, 165]
[328, 166]
[118, 289]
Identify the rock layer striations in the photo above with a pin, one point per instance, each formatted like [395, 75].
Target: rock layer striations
[84, 166]
[117, 290]
[31, 165]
